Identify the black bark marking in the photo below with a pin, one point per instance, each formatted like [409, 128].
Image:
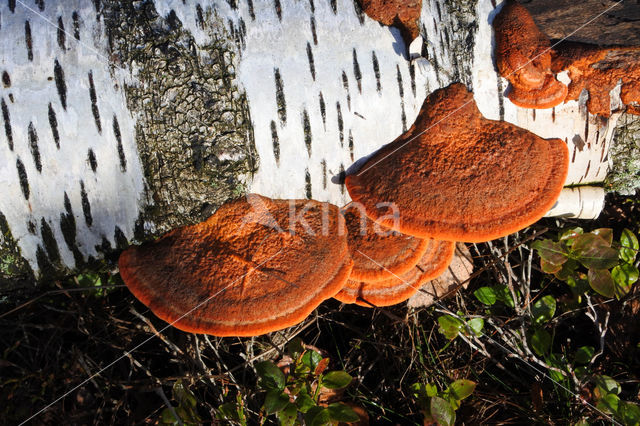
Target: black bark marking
[94, 102]
[197, 153]
[306, 126]
[61, 34]
[91, 157]
[586, 129]
[86, 206]
[313, 6]
[251, 11]
[232, 4]
[33, 146]
[500, 99]
[6, 80]
[340, 124]
[307, 184]
[31, 227]
[7, 123]
[118, 135]
[53, 123]
[533, 114]
[313, 31]
[376, 71]
[61, 85]
[40, 4]
[28, 40]
[586, 173]
[276, 142]
[403, 117]
[400, 82]
[278, 7]
[12, 5]
[323, 164]
[199, 16]
[351, 144]
[104, 247]
[76, 25]
[345, 84]
[439, 11]
[359, 11]
[341, 177]
[412, 76]
[44, 265]
[312, 67]
[69, 231]
[49, 241]
[120, 239]
[280, 101]
[323, 110]
[334, 6]
[24, 181]
[356, 71]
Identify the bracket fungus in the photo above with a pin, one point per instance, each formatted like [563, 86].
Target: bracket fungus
[399, 288]
[457, 176]
[379, 253]
[523, 56]
[239, 273]
[402, 14]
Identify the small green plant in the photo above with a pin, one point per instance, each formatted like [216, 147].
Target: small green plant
[440, 406]
[451, 326]
[185, 413]
[606, 393]
[591, 259]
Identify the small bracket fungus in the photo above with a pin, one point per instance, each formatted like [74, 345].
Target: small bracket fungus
[394, 290]
[457, 176]
[242, 272]
[379, 253]
[402, 14]
[523, 56]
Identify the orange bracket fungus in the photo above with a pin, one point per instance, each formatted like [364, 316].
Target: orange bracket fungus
[379, 253]
[523, 56]
[243, 272]
[599, 70]
[457, 176]
[402, 14]
[399, 288]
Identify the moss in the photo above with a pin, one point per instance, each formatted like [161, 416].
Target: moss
[624, 157]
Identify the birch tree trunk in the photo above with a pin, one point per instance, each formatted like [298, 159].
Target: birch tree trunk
[123, 120]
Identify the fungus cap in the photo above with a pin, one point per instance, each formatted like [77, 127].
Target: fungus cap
[523, 56]
[395, 290]
[402, 14]
[457, 176]
[246, 270]
[379, 253]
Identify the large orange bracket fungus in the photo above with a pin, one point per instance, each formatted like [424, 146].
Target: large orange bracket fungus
[255, 266]
[402, 14]
[379, 253]
[457, 176]
[523, 56]
[399, 288]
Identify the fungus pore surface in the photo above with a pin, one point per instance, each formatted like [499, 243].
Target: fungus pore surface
[394, 290]
[523, 56]
[457, 176]
[379, 253]
[255, 266]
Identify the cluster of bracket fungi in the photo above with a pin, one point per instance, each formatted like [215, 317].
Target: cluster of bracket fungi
[259, 265]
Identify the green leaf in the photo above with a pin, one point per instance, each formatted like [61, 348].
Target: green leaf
[629, 246]
[504, 295]
[624, 276]
[550, 251]
[228, 411]
[340, 412]
[167, 417]
[569, 236]
[476, 325]
[317, 416]
[629, 412]
[311, 359]
[304, 402]
[607, 384]
[543, 309]
[584, 354]
[275, 401]
[442, 412]
[609, 403]
[567, 270]
[271, 377]
[336, 380]
[594, 252]
[295, 347]
[605, 233]
[431, 389]
[460, 389]
[485, 295]
[449, 326]
[550, 268]
[541, 341]
[288, 415]
[600, 280]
